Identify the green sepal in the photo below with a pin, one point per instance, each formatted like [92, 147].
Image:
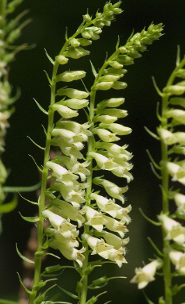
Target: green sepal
[152, 160]
[69, 293]
[8, 207]
[21, 282]
[52, 254]
[152, 134]
[50, 59]
[32, 219]
[47, 77]
[23, 257]
[95, 298]
[156, 87]
[93, 69]
[10, 189]
[40, 299]
[42, 148]
[39, 106]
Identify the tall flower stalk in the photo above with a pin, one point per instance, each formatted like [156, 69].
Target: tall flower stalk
[82, 220]
[170, 134]
[10, 31]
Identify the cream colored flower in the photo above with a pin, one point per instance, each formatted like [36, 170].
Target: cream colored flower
[146, 274]
[180, 202]
[178, 259]
[94, 218]
[174, 230]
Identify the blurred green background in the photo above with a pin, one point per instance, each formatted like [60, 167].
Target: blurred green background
[47, 29]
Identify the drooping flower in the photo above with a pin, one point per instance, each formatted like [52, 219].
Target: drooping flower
[146, 274]
[178, 259]
[174, 230]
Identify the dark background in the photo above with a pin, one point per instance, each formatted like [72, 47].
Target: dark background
[47, 30]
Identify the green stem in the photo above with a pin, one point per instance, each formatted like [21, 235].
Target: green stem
[165, 187]
[39, 253]
[3, 4]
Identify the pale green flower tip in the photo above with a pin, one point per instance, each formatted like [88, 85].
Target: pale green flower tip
[174, 90]
[64, 111]
[105, 119]
[62, 59]
[76, 52]
[69, 76]
[103, 86]
[74, 42]
[119, 85]
[87, 17]
[76, 103]
[72, 93]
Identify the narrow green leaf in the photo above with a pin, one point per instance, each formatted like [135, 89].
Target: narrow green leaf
[156, 87]
[10, 189]
[33, 219]
[52, 254]
[148, 219]
[69, 293]
[23, 257]
[151, 133]
[93, 69]
[42, 148]
[8, 207]
[35, 163]
[155, 247]
[50, 59]
[147, 299]
[47, 77]
[39, 106]
[31, 202]
[21, 282]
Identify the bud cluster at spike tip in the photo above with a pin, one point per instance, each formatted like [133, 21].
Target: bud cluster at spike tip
[70, 208]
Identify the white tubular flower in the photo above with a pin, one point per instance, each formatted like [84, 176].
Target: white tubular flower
[102, 161]
[114, 240]
[74, 166]
[174, 230]
[75, 197]
[117, 256]
[116, 128]
[109, 206]
[166, 136]
[111, 188]
[62, 174]
[66, 210]
[176, 171]
[146, 274]
[69, 136]
[75, 127]
[72, 93]
[177, 114]
[68, 252]
[64, 111]
[94, 218]
[122, 171]
[178, 259]
[106, 135]
[180, 202]
[71, 150]
[62, 225]
[115, 226]
[116, 150]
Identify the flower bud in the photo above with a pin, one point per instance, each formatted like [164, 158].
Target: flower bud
[124, 59]
[72, 93]
[116, 128]
[108, 78]
[84, 42]
[87, 17]
[105, 135]
[74, 42]
[62, 59]
[104, 86]
[115, 64]
[105, 118]
[64, 111]
[76, 103]
[112, 102]
[119, 113]
[174, 89]
[76, 52]
[119, 85]
[69, 76]
[180, 202]
[3, 173]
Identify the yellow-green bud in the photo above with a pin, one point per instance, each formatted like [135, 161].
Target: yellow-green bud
[174, 89]
[104, 86]
[115, 64]
[109, 78]
[87, 17]
[76, 52]
[3, 173]
[69, 76]
[74, 42]
[112, 102]
[72, 93]
[62, 59]
[119, 85]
